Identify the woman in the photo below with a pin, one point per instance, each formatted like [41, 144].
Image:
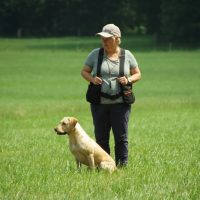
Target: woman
[111, 112]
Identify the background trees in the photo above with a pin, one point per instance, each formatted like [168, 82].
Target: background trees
[176, 21]
[180, 21]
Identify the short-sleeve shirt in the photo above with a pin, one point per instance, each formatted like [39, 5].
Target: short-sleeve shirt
[110, 73]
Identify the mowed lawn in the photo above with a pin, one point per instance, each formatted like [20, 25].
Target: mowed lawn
[40, 83]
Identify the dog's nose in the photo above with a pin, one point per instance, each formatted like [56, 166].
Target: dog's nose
[55, 129]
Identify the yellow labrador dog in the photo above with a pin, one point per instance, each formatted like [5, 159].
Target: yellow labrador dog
[84, 148]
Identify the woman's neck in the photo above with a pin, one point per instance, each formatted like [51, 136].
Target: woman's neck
[113, 53]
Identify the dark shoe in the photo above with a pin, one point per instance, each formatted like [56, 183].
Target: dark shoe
[122, 164]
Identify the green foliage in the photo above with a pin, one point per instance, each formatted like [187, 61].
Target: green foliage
[172, 21]
[180, 21]
[40, 83]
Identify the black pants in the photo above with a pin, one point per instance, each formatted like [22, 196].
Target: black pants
[115, 116]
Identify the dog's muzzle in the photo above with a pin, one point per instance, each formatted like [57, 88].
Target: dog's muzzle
[59, 133]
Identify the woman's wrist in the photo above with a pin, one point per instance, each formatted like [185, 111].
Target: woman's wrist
[129, 80]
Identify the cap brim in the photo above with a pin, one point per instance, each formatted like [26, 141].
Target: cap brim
[104, 34]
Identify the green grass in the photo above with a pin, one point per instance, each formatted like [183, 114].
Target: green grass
[40, 83]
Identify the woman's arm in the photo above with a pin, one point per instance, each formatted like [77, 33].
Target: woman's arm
[86, 74]
[135, 76]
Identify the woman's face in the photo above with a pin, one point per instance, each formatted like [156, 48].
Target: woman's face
[109, 43]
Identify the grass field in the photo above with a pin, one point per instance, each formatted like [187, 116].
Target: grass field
[40, 83]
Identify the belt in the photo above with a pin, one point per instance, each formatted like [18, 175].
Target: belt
[112, 97]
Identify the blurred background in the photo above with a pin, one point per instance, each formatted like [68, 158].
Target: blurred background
[175, 22]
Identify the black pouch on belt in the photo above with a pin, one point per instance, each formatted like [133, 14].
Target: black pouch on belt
[127, 94]
[93, 94]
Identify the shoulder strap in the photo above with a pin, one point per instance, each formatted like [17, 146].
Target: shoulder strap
[121, 63]
[100, 59]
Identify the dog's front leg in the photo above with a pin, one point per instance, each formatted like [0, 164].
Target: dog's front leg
[78, 163]
[90, 158]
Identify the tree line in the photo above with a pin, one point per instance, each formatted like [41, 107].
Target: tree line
[176, 21]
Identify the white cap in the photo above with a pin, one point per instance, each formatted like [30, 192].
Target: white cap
[110, 30]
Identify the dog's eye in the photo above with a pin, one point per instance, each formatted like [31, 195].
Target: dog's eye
[63, 123]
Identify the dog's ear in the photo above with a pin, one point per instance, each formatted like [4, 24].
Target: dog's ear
[73, 121]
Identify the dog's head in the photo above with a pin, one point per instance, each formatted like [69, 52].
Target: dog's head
[66, 125]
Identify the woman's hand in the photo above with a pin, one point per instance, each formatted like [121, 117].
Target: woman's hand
[86, 73]
[123, 80]
[96, 80]
[135, 76]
